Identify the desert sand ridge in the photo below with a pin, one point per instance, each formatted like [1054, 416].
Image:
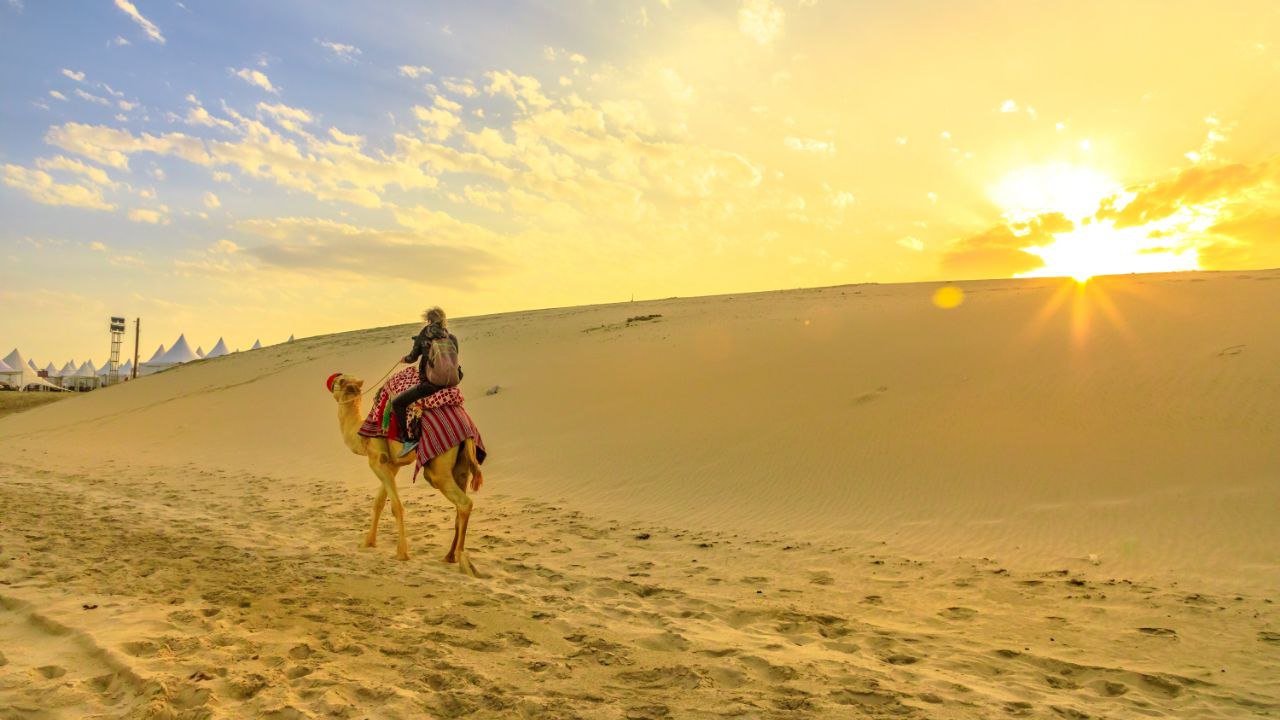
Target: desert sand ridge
[841, 502]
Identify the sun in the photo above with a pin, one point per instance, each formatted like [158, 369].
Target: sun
[1094, 246]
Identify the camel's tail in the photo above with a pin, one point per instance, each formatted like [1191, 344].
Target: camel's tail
[468, 464]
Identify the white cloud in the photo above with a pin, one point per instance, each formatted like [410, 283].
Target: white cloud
[77, 76]
[289, 118]
[211, 201]
[125, 105]
[119, 41]
[341, 50]
[57, 95]
[414, 71]
[97, 246]
[820, 147]
[150, 217]
[91, 97]
[911, 243]
[65, 164]
[40, 186]
[344, 138]
[147, 26]
[254, 77]
[760, 20]
[1009, 106]
[464, 88]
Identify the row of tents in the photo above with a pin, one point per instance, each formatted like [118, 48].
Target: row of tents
[19, 373]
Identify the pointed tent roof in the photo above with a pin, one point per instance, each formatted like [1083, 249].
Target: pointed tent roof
[4, 367]
[257, 345]
[199, 351]
[126, 368]
[87, 370]
[218, 350]
[50, 370]
[158, 355]
[68, 370]
[290, 338]
[32, 365]
[15, 360]
[180, 352]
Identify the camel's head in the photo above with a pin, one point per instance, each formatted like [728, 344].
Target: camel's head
[344, 387]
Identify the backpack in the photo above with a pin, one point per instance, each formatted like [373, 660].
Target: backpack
[442, 362]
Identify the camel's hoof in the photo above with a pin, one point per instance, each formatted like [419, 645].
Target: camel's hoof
[369, 542]
[450, 558]
[402, 556]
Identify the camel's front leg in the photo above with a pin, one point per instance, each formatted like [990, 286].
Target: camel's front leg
[371, 540]
[387, 474]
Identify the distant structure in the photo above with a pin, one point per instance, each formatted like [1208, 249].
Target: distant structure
[22, 375]
[218, 350]
[290, 339]
[199, 351]
[83, 379]
[257, 345]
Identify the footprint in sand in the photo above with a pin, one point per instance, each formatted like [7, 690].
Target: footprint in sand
[958, 613]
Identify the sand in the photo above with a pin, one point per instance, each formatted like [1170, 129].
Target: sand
[840, 502]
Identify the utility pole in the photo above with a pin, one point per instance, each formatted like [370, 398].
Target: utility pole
[137, 331]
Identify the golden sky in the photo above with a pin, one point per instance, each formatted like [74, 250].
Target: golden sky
[252, 172]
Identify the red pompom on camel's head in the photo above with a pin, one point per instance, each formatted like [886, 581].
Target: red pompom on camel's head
[343, 387]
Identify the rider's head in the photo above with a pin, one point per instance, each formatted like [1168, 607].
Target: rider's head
[435, 316]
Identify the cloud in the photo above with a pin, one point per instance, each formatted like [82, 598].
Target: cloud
[344, 138]
[289, 118]
[313, 244]
[255, 77]
[91, 97]
[464, 88]
[441, 120]
[97, 246]
[211, 201]
[57, 95]
[819, 147]
[344, 52]
[119, 41]
[760, 20]
[525, 90]
[148, 216]
[998, 251]
[911, 243]
[96, 175]
[40, 186]
[414, 71]
[147, 26]
[77, 76]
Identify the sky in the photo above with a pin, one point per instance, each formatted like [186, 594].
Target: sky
[253, 170]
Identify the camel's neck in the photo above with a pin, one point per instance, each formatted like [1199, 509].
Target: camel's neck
[349, 422]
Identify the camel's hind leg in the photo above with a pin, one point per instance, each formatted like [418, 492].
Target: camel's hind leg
[440, 473]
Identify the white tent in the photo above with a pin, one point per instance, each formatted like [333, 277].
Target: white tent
[32, 365]
[84, 378]
[22, 376]
[8, 375]
[68, 370]
[290, 339]
[218, 350]
[50, 370]
[179, 352]
[199, 351]
[126, 370]
[257, 345]
[155, 358]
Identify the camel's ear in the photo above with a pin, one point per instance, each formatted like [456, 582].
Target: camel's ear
[358, 384]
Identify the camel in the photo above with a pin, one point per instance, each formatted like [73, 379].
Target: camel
[449, 473]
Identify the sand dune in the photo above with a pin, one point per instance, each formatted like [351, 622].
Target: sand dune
[840, 502]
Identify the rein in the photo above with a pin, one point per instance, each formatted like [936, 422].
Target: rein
[375, 386]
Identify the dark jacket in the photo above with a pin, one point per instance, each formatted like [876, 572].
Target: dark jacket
[421, 346]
